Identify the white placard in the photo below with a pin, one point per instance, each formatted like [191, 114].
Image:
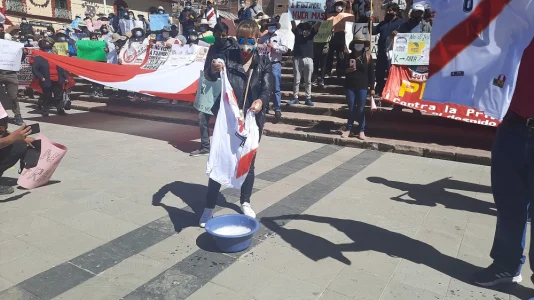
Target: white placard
[10, 55]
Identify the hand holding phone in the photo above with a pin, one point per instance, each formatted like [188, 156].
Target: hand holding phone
[35, 128]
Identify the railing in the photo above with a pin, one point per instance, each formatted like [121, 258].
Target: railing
[16, 6]
[63, 13]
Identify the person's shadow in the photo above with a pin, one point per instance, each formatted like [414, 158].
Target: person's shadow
[436, 193]
[368, 237]
[194, 196]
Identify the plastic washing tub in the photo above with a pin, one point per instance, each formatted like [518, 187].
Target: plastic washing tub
[232, 233]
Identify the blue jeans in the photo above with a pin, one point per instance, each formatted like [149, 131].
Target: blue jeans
[277, 97]
[356, 101]
[512, 183]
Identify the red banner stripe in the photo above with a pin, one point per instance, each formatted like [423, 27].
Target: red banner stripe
[464, 34]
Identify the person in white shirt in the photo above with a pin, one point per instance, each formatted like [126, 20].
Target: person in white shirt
[210, 14]
[274, 45]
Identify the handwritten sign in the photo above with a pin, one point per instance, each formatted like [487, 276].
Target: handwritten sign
[411, 49]
[10, 55]
[307, 10]
[157, 56]
[207, 93]
[157, 21]
[51, 155]
[325, 32]
[352, 29]
[133, 53]
[181, 56]
[62, 48]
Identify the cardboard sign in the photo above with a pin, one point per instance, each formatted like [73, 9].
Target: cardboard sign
[25, 75]
[51, 155]
[207, 93]
[133, 53]
[157, 56]
[10, 55]
[411, 49]
[325, 32]
[307, 10]
[61, 48]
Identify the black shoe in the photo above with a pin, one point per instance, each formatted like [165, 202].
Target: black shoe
[495, 274]
[61, 112]
[45, 113]
[277, 116]
[200, 152]
[6, 190]
[18, 120]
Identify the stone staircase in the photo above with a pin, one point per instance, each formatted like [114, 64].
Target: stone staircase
[402, 132]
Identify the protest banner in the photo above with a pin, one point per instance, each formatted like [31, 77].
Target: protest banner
[10, 55]
[25, 74]
[352, 28]
[324, 33]
[207, 93]
[91, 50]
[158, 21]
[49, 159]
[411, 49]
[405, 86]
[133, 53]
[181, 56]
[157, 56]
[62, 48]
[307, 10]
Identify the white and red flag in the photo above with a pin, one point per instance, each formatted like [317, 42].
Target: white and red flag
[234, 142]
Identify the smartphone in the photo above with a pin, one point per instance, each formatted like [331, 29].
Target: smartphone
[352, 63]
[35, 128]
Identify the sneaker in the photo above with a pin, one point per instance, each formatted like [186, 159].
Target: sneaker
[18, 120]
[247, 210]
[495, 274]
[320, 85]
[326, 76]
[277, 116]
[292, 102]
[6, 190]
[309, 102]
[164, 101]
[200, 152]
[206, 216]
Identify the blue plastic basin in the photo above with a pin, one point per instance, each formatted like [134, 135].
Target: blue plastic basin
[233, 243]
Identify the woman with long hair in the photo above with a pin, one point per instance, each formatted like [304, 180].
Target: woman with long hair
[241, 61]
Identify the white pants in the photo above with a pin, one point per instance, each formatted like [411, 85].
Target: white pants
[302, 66]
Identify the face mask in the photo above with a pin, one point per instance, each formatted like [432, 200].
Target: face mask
[246, 50]
[366, 48]
[126, 17]
[132, 17]
[390, 16]
[242, 5]
[187, 7]
[174, 33]
[62, 39]
[220, 41]
[30, 40]
[368, 14]
[272, 29]
[193, 38]
[161, 12]
[138, 34]
[339, 8]
[202, 29]
[24, 21]
[105, 32]
[358, 47]
[48, 33]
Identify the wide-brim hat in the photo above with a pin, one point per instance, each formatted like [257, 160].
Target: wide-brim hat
[204, 22]
[358, 38]
[82, 24]
[116, 37]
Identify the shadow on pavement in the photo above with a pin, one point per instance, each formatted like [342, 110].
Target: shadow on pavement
[368, 237]
[194, 196]
[179, 136]
[9, 181]
[437, 192]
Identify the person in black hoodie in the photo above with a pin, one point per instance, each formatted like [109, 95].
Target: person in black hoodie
[219, 49]
[385, 28]
[360, 76]
[51, 79]
[241, 62]
[26, 28]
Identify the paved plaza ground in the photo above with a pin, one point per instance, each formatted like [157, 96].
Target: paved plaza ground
[119, 220]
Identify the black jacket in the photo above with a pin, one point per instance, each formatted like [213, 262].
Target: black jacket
[26, 29]
[188, 18]
[261, 83]
[385, 29]
[41, 69]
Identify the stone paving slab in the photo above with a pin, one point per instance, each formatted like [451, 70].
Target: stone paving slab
[336, 223]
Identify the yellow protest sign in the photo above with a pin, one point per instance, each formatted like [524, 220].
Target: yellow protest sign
[325, 32]
[61, 48]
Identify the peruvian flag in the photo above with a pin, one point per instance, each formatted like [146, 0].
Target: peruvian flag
[178, 83]
[234, 142]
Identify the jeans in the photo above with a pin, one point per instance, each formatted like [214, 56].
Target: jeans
[381, 71]
[203, 123]
[11, 81]
[11, 154]
[277, 97]
[52, 95]
[337, 44]
[319, 61]
[512, 183]
[302, 67]
[356, 101]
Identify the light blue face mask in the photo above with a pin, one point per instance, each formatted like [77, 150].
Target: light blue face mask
[272, 29]
[187, 7]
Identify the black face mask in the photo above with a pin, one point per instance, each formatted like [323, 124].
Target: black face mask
[127, 17]
[221, 41]
[390, 16]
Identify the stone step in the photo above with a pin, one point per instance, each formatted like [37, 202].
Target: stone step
[448, 150]
[386, 125]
